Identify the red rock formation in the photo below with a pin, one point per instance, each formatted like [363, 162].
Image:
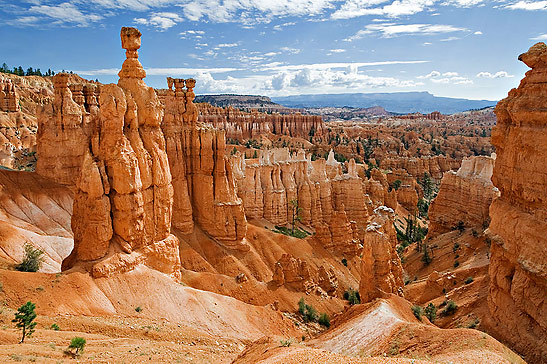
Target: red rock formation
[329, 206]
[68, 124]
[123, 201]
[246, 125]
[291, 272]
[464, 196]
[416, 167]
[9, 100]
[381, 270]
[204, 183]
[518, 280]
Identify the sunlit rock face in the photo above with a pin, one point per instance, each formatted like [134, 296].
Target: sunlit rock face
[464, 196]
[124, 196]
[518, 267]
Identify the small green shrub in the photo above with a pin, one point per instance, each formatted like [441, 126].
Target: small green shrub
[460, 226]
[473, 324]
[456, 264]
[455, 247]
[417, 311]
[297, 233]
[138, 308]
[352, 296]
[324, 320]
[450, 308]
[468, 280]
[32, 260]
[77, 343]
[55, 327]
[308, 312]
[286, 343]
[345, 262]
[431, 312]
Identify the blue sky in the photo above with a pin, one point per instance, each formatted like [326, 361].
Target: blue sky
[454, 48]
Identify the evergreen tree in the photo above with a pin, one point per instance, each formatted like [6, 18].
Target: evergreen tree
[24, 319]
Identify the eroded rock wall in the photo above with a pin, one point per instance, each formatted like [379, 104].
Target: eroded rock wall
[518, 266]
[334, 204]
[247, 125]
[205, 191]
[416, 167]
[464, 196]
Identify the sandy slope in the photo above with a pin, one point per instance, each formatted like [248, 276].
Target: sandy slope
[34, 210]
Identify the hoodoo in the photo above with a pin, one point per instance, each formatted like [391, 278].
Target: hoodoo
[124, 196]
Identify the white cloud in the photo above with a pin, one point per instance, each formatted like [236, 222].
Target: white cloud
[62, 14]
[162, 20]
[540, 37]
[390, 30]
[251, 11]
[195, 34]
[500, 74]
[478, 32]
[356, 8]
[228, 45]
[290, 50]
[281, 26]
[301, 81]
[528, 5]
[446, 78]
[462, 3]
[337, 50]
[333, 65]
[449, 39]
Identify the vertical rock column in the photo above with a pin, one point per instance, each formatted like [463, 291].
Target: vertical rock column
[202, 175]
[381, 270]
[124, 197]
[518, 266]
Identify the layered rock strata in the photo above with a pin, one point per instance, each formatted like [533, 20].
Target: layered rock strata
[248, 125]
[518, 266]
[464, 197]
[124, 196]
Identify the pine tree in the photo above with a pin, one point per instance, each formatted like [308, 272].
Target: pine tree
[24, 319]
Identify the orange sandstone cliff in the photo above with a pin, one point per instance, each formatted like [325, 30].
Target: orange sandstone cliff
[518, 267]
[464, 197]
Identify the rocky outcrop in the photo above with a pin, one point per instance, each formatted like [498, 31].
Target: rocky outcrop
[416, 167]
[335, 207]
[249, 125]
[9, 100]
[464, 196]
[203, 180]
[518, 266]
[124, 196]
[381, 270]
[292, 272]
[68, 122]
